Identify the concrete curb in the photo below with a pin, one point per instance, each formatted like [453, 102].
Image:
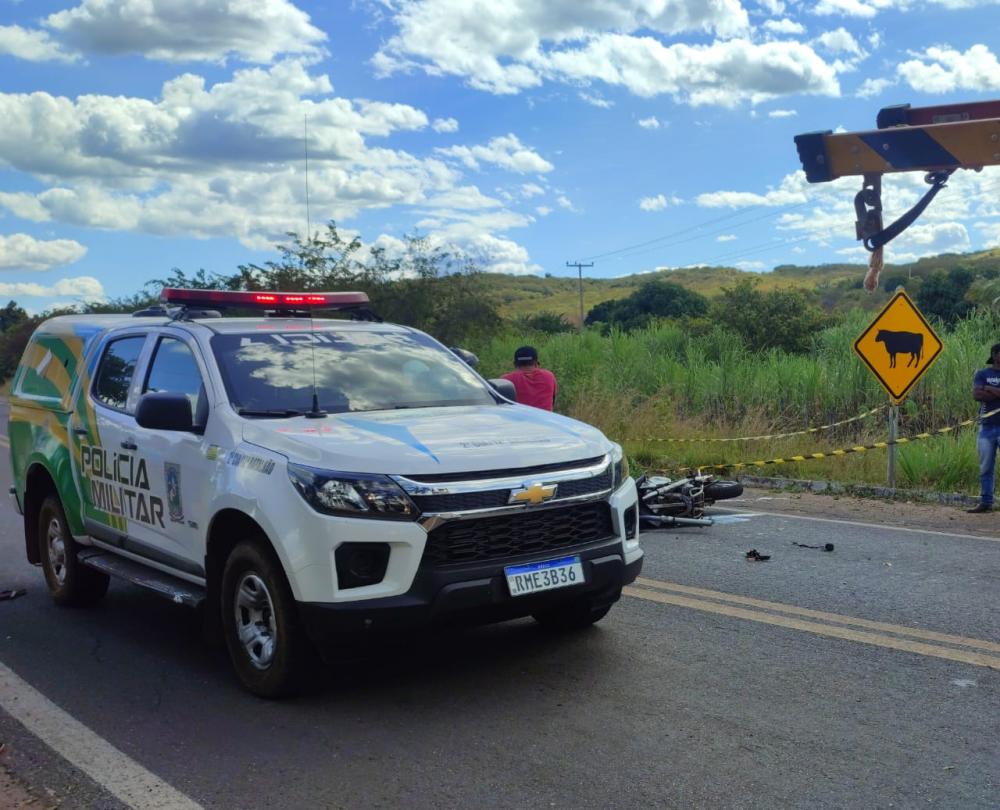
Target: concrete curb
[859, 490]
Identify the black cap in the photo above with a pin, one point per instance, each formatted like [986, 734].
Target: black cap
[993, 350]
[526, 354]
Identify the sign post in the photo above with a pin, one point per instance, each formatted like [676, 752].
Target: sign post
[898, 347]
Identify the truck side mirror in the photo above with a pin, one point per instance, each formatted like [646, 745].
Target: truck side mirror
[164, 410]
[465, 356]
[505, 388]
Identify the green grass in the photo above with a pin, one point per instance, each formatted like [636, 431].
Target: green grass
[661, 382]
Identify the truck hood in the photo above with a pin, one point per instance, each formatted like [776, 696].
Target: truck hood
[430, 440]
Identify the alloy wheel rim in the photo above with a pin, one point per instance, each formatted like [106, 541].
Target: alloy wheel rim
[57, 550]
[255, 624]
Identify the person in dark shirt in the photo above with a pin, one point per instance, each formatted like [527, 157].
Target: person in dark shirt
[986, 391]
[535, 386]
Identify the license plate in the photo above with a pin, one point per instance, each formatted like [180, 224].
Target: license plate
[543, 576]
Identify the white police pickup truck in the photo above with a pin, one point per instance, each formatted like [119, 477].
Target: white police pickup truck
[305, 479]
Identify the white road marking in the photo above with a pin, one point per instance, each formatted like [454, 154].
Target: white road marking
[113, 770]
[885, 526]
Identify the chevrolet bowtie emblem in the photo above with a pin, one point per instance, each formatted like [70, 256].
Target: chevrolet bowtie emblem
[533, 493]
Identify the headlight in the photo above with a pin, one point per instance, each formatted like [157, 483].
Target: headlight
[620, 462]
[352, 494]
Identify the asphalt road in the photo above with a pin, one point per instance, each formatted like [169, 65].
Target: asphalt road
[812, 680]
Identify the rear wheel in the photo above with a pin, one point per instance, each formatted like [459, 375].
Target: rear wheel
[70, 582]
[722, 490]
[265, 641]
[574, 615]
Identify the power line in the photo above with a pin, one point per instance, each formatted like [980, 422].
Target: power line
[730, 215]
[737, 226]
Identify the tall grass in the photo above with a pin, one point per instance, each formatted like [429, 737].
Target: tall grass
[664, 382]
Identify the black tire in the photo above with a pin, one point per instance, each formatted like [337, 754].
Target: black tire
[272, 657]
[70, 582]
[722, 490]
[575, 615]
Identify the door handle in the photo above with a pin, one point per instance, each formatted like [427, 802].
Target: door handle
[128, 444]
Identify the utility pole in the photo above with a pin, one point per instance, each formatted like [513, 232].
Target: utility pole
[579, 271]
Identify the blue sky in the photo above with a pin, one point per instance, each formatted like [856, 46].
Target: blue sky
[141, 135]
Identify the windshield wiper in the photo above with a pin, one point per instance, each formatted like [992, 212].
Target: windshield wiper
[277, 413]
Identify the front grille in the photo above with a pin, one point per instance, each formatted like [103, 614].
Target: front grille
[510, 472]
[517, 534]
[493, 498]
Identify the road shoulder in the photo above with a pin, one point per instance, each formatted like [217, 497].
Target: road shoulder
[930, 517]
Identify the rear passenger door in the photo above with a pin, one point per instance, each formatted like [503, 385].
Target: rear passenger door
[110, 473]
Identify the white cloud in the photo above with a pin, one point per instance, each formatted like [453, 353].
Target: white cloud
[869, 8]
[649, 123]
[874, 87]
[565, 202]
[184, 30]
[782, 114]
[658, 203]
[86, 288]
[751, 266]
[31, 45]
[511, 46]
[784, 26]
[543, 210]
[529, 190]
[225, 160]
[846, 8]
[774, 7]
[596, 101]
[19, 251]
[445, 125]
[839, 40]
[506, 151]
[793, 189]
[943, 70]
[990, 232]
[726, 237]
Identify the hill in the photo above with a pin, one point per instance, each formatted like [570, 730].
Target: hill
[834, 286]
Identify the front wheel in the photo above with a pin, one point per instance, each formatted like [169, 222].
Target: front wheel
[260, 623]
[570, 616]
[70, 582]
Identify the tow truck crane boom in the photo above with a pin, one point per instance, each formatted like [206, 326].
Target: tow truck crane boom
[936, 140]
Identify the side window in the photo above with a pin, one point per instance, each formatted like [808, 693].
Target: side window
[174, 369]
[114, 376]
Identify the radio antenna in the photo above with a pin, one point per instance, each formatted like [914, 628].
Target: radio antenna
[315, 412]
[305, 146]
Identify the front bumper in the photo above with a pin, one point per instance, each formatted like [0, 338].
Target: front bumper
[473, 593]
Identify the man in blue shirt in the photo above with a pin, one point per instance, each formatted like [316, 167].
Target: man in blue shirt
[986, 391]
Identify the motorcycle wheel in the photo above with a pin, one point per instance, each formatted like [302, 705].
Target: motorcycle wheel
[722, 490]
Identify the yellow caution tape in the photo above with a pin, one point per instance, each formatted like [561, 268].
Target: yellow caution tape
[861, 448]
[864, 415]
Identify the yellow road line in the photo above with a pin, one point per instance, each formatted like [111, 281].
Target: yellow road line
[898, 629]
[876, 639]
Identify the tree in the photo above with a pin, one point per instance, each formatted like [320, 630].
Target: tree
[550, 323]
[11, 315]
[654, 299]
[944, 294]
[782, 319]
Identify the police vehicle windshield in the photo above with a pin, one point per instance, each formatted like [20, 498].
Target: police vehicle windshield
[273, 373]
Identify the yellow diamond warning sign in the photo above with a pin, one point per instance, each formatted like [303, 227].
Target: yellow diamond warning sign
[898, 346]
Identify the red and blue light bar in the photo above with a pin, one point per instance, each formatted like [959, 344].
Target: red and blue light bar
[219, 299]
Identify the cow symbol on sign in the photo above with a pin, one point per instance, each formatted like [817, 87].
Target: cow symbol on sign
[911, 343]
